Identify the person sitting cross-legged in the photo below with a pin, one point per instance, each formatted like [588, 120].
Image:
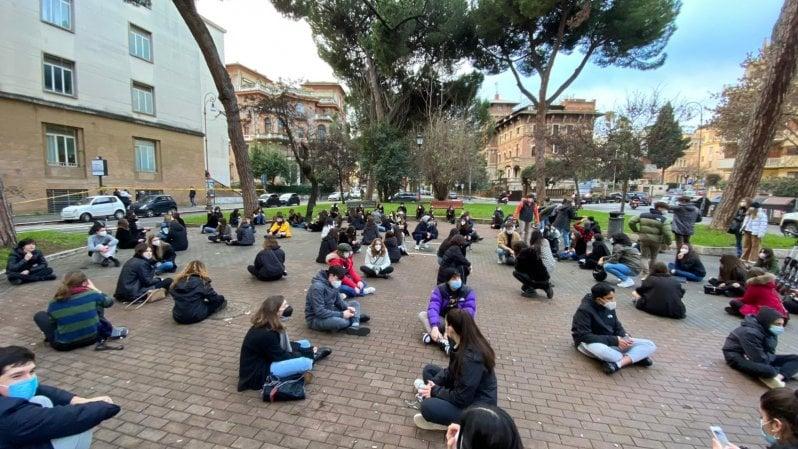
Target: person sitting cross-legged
[102, 247]
[599, 334]
[325, 308]
[377, 263]
[194, 297]
[624, 263]
[245, 234]
[504, 244]
[27, 264]
[661, 294]
[270, 262]
[137, 279]
[37, 416]
[760, 291]
[751, 349]
[687, 264]
[280, 228]
[353, 284]
[444, 298]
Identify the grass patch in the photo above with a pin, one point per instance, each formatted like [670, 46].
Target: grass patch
[49, 242]
[200, 219]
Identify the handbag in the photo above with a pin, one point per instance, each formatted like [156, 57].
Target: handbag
[291, 388]
[599, 274]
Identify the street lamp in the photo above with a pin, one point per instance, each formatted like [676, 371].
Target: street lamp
[419, 143]
[700, 126]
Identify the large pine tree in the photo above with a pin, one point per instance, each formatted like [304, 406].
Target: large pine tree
[664, 143]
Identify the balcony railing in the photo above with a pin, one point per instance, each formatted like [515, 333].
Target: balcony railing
[266, 136]
[772, 162]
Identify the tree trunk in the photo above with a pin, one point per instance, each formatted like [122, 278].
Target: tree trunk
[662, 179]
[314, 195]
[379, 112]
[578, 196]
[624, 190]
[750, 161]
[8, 236]
[341, 187]
[540, 151]
[227, 97]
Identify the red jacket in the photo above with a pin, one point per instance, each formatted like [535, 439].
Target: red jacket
[520, 206]
[352, 278]
[760, 291]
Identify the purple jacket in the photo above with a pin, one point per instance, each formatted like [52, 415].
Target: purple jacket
[442, 300]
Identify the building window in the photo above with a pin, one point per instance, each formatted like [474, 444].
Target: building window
[145, 156]
[555, 130]
[58, 13]
[61, 146]
[321, 132]
[140, 43]
[143, 99]
[267, 126]
[300, 109]
[59, 75]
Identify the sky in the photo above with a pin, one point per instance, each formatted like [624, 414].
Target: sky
[712, 38]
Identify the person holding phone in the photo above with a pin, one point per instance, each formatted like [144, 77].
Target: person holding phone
[778, 421]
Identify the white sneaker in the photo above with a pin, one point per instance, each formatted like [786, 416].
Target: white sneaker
[422, 423]
[627, 283]
[418, 384]
[417, 247]
[426, 338]
[426, 245]
[342, 296]
[500, 262]
[369, 290]
[772, 382]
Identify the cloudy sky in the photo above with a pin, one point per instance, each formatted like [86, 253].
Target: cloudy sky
[712, 38]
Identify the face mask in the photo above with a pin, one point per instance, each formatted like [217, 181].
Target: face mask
[156, 243]
[288, 312]
[776, 330]
[683, 251]
[762, 255]
[455, 284]
[102, 233]
[509, 231]
[347, 255]
[279, 221]
[610, 305]
[378, 247]
[770, 439]
[462, 222]
[24, 389]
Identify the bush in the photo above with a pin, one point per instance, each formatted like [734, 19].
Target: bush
[782, 186]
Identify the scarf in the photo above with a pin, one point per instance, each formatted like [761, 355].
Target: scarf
[285, 342]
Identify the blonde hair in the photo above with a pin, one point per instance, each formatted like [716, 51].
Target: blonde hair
[193, 268]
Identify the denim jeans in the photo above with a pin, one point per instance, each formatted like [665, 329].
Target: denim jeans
[738, 243]
[436, 410]
[78, 441]
[618, 270]
[566, 236]
[208, 230]
[640, 350]
[685, 274]
[505, 257]
[350, 292]
[336, 323]
[168, 265]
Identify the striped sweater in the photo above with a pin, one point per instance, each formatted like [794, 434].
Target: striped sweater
[77, 317]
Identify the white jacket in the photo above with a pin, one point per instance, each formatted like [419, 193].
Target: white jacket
[377, 263]
[757, 226]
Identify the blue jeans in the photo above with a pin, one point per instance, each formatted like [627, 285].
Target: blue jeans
[566, 236]
[685, 274]
[78, 441]
[437, 410]
[336, 323]
[208, 230]
[350, 292]
[618, 270]
[640, 350]
[168, 265]
[504, 256]
[738, 243]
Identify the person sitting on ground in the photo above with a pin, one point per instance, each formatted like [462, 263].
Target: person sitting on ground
[266, 348]
[660, 294]
[321, 220]
[270, 261]
[235, 218]
[101, 246]
[334, 211]
[38, 416]
[624, 263]
[751, 349]
[455, 258]
[444, 298]
[295, 219]
[599, 334]
[466, 228]
[176, 216]
[767, 261]
[127, 240]
[358, 222]
[325, 309]
[422, 234]
[164, 257]
[505, 240]
[446, 243]
[534, 265]
[27, 264]
[258, 217]
[132, 220]
[731, 278]
[350, 238]
[470, 378]
[245, 235]
[760, 291]
[212, 221]
[353, 284]
[432, 226]
[400, 230]
[497, 222]
[194, 297]
[377, 263]
[598, 251]
[450, 214]
[652, 234]
[280, 228]
[392, 246]
[484, 427]
[778, 420]
[328, 225]
[370, 232]
[584, 230]
[329, 243]
[177, 236]
[75, 316]
[224, 233]
[687, 264]
[137, 279]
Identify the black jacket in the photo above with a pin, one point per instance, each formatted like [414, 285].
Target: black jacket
[136, 277]
[528, 261]
[190, 296]
[475, 384]
[593, 323]
[454, 258]
[328, 244]
[736, 225]
[25, 425]
[127, 240]
[691, 264]
[661, 295]
[245, 235]
[563, 217]
[17, 264]
[369, 234]
[212, 220]
[260, 348]
[753, 341]
[177, 236]
[394, 253]
[270, 263]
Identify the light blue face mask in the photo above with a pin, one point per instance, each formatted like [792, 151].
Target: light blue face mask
[24, 389]
[769, 439]
[455, 285]
[776, 330]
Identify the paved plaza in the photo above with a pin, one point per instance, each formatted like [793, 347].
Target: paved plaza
[177, 384]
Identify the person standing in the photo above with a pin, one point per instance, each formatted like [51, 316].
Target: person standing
[736, 225]
[685, 216]
[192, 195]
[755, 225]
[562, 221]
[526, 212]
[651, 234]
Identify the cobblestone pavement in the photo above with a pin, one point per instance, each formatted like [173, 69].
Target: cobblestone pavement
[177, 384]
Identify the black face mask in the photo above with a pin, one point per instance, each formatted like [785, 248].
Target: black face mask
[288, 312]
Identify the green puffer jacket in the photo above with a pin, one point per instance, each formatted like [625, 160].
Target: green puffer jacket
[651, 228]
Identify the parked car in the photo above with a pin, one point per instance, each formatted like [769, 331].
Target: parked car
[269, 200]
[403, 196]
[354, 194]
[336, 196]
[92, 207]
[289, 199]
[789, 223]
[153, 205]
[452, 195]
[614, 197]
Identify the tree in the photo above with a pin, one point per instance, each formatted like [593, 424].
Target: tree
[527, 36]
[384, 153]
[621, 154]
[780, 72]
[337, 153]
[786, 186]
[269, 163]
[665, 142]
[8, 235]
[575, 155]
[449, 144]
[712, 179]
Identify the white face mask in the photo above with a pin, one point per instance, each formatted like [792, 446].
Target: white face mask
[102, 233]
[610, 305]
[335, 283]
[147, 255]
[508, 231]
[762, 255]
[683, 251]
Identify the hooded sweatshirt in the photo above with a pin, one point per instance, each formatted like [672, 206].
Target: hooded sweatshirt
[322, 300]
[352, 278]
[753, 339]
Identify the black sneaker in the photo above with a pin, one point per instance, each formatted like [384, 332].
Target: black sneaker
[645, 362]
[364, 318]
[549, 292]
[359, 331]
[105, 262]
[115, 261]
[609, 367]
[51, 277]
[529, 293]
[321, 353]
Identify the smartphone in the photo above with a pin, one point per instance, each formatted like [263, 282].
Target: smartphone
[719, 435]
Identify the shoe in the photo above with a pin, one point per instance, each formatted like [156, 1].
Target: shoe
[646, 362]
[422, 423]
[221, 307]
[357, 330]
[730, 311]
[119, 332]
[445, 347]
[609, 367]
[627, 283]
[549, 292]
[364, 318]
[321, 353]
[115, 261]
[529, 293]
[426, 338]
[369, 290]
[15, 281]
[499, 262]
[51, 277]
[105, 262]
[342, 296]
[103, 345]
[417, 247]
[418, 384]
[772, 382]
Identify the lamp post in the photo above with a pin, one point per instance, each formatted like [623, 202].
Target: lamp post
[700, 139]
[419, 143]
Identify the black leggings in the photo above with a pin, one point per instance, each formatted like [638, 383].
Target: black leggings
[42, 273]
[786, 365]
[436, 410]
[373, 274]
[529, 283]
[276, 277]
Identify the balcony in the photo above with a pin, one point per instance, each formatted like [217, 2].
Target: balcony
[772, 162]
[267, 136]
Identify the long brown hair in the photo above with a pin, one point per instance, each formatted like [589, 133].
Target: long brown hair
[123, 224]
[381, 252]
[193, 268]
[471, 338]
[157, 250]
[782, 404]
[71, 280]
[267, 316]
